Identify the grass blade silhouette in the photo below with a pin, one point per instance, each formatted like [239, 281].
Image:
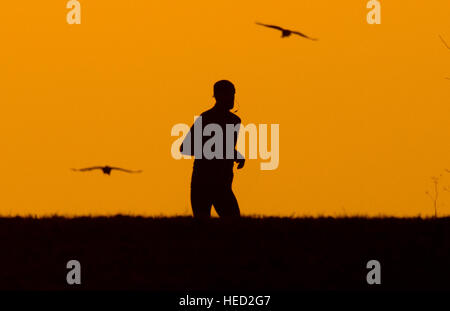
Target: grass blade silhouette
[445, 43]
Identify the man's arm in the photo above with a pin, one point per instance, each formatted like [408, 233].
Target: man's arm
[186, 147]
[238, 157]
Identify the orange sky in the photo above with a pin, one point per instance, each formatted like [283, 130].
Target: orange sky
[364, 112]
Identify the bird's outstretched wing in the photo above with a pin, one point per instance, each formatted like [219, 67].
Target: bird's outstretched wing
[87, 169]
[125, 170]
[445, 43]
[270, 26]
[303, 35]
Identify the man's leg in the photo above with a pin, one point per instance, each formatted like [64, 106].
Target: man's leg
[225, 202]
[201, 201]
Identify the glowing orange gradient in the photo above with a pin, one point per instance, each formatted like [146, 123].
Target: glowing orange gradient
[364, 112]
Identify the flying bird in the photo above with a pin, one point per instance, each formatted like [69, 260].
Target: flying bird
[286, 32]
[105, 169]
[445, 43]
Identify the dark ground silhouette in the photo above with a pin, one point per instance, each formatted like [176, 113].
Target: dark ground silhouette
[126, 253]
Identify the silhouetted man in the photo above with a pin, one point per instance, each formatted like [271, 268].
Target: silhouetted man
[212, 175]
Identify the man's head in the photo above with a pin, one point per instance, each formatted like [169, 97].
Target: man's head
[224, 94]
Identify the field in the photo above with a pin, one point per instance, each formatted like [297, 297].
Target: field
[135, 253]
